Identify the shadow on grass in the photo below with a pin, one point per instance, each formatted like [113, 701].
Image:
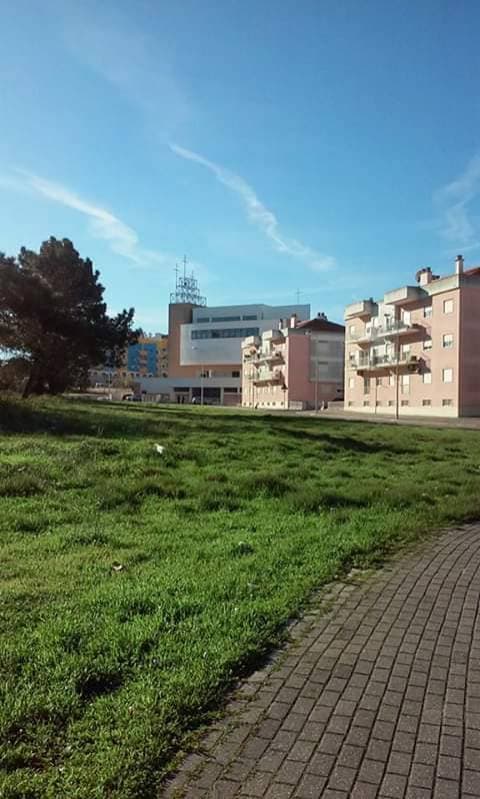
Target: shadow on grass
[62, 417]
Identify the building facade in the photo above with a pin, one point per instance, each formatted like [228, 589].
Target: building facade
[296, 366]
[147, 358]
[205, 347]
[417, 350]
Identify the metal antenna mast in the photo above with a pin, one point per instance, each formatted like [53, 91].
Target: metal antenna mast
[186, 288]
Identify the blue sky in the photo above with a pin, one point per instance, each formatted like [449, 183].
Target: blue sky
[282, 145]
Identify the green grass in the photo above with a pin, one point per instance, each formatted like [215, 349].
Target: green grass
[220, 541]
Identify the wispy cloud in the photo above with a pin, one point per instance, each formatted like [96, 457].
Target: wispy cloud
[257, 213]
[134, 60]
[103, 224]
[455, 202]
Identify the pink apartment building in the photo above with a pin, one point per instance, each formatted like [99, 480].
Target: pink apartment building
[298, 366]
[417, 351]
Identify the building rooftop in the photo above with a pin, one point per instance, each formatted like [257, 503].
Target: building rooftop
[322, 325]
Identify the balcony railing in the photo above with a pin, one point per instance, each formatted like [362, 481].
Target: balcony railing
[372, 362]
[269, 378]
[270, 358]
[389, 330]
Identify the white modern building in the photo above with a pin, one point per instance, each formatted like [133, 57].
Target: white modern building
[205, 348]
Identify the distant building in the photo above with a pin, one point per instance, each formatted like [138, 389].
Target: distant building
[204, 345]
[147, 358]
[298, 365]
[417, 350]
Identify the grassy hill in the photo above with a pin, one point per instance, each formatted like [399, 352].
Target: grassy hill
[135, 586]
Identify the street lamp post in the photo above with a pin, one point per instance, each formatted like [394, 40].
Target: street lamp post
[197, 349]
[397, 386]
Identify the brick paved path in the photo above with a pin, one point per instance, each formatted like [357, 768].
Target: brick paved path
[378, 697]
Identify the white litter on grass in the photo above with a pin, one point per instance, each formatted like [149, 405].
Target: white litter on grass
[159, 449]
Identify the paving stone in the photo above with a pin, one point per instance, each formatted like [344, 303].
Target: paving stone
[290, 772]
[301, 751]
[371, 771]
[422, 776]
[446, 789]
[364, 790]
[342, 778]
[271, 761]
[321, 764]
[278, 791]
[471, 783]
[312, 731]
[310, 787]
[393, 785]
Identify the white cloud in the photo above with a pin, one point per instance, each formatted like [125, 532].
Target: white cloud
[258, 214]
[103, 224]
[455, 200]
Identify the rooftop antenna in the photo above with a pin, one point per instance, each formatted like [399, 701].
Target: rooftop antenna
[186, 288]
[298, 293]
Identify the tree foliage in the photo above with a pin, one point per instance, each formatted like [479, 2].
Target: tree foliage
[53, 317]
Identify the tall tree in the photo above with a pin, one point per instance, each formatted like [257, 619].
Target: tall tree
[52, 315]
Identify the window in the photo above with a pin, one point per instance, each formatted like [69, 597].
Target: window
[447, 403]
[351, 382]
[427, 312]
[203, 319]
[350, 404]
[225, 318]
[405, 384]
[427, 377]
[230, 390]
[405, 350]
[391, 380]
[447, 375]
[390, 403]
[378, 381]
[404, 403]
[235, 374]
[229, 332]
[447, 340]
[448, 306]
[427, 344]
[366, 385]
[406, 317]
[366, 403]
[378, 403]
[426, 403]
[351, 330]
[250, 318]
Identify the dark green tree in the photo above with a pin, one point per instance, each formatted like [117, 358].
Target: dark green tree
[53, 317]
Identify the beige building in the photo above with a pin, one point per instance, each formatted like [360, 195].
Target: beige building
[417, 350]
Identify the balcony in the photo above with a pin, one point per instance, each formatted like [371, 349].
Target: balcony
[250, 343]
[270, 358]
[400, 329]
[363, 308]
[273, 336]
[376, 363]
[404, 295]
[274, 378]
[391, 330]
